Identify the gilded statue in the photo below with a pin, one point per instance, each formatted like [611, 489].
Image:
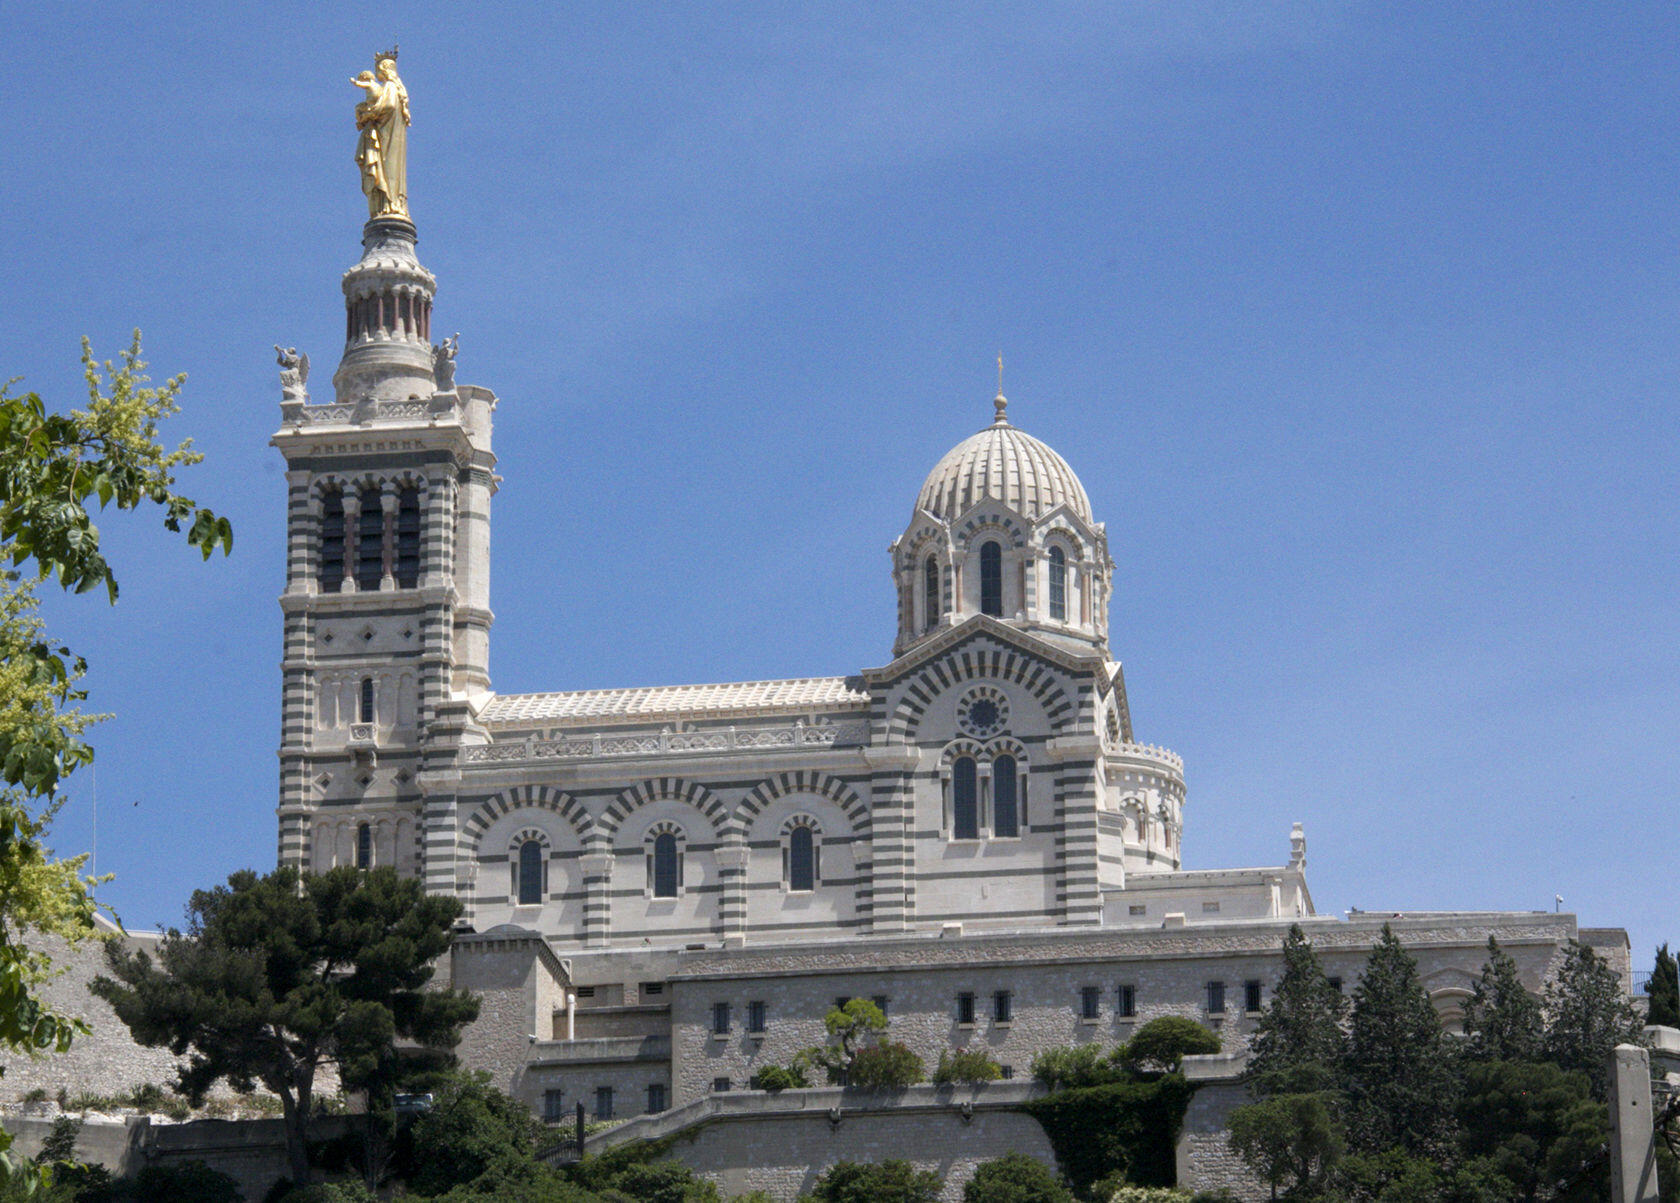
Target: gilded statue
[382, 149]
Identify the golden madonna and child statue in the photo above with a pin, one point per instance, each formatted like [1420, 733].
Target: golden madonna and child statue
[382, 149]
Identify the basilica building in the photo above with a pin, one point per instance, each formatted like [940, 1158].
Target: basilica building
[666, 887]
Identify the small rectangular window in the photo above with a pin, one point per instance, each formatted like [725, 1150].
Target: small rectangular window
[554, 1106]
[840, 1003]
[1137, 909]
[720, 1019]
[720, 1085]
[880, 1001]
[1002, 1008]
[652, 989]
[603, 1102]
[656, 1097]
[965, 1008]
[755, 1016]
[1216, 998]
[1127, 1003]
[1336, 984]
[586, 991]
[1090, 1002]
[1008, 1072]
[1210, 908]
[1251, 996]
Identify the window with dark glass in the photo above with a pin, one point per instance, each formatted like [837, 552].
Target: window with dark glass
[757, 1013]
[1216, 998]
[1003, 1010]
[408, 538]
[603, 1102]
[1090, 1002]
[965, 799]
[720, 1085]
[364, 846]
[930, 593]
[1336, 984]
[554, 1106]
[530, 875]
[370, 541]
[965, 1007]
[720, 1019]
[1127, 1005]
[331, 576]
[1058, 585]
[364, 709]
[1006, 817]
[880, 1001]
[802, 860]
[1007, 1072]
[665, 859]
[656, 1097]
[991, 579]
[1251, 996]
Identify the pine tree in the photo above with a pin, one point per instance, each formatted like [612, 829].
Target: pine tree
[1502, 1019]
[1298, 1045]
[1664, 990]
[1398, 1070]
[1587, 1015]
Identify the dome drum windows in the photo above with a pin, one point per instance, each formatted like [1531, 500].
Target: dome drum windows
[528, 868]
[663, 848]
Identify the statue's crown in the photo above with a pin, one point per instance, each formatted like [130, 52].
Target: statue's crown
[386, 54]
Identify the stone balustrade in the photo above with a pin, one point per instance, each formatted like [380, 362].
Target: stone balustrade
[659, 743]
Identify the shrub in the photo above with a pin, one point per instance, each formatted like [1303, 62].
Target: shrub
[779, 1077]
[470, 1128]
[1074, 1068]
[1126, 1126]
[1015, 1178]
[189, 1182]
[330, 1192]
[967, 1065]
[892, 1181]
[665, 1182]
[886, 1066]
[1162, 1043]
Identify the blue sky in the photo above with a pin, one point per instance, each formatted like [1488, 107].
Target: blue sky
[1357, 321]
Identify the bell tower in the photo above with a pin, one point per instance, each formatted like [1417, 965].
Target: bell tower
[386, 605]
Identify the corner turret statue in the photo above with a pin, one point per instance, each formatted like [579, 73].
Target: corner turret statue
[382, 149]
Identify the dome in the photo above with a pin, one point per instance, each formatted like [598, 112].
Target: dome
[1006, 464]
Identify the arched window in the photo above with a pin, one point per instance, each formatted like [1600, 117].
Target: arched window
[331, 575]
[364, 846]
[666, 865]
[370, 542]
[930, 593]
[530, 872]
[802, 860]
[965, 799]
[1058, 585]
[408, 538]
[1006, 814]
[364, 712]
[991, 579]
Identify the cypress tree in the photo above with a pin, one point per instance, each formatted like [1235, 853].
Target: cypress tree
[1398, 1070]
[1664, 990]
[1297, 1046]
[1502, 1020]
[1587, 1015]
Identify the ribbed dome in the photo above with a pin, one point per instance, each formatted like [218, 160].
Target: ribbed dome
[1007, 464]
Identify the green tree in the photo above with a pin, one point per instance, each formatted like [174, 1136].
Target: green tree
[280, 974]
[1398, 1071]
[1159, 1045]
[1664, 990]
[1015, 1178]
[1587, 1015]
[1291, 1141]
[892, 1181]
[850, 1028]
[470, 1129]
[1298, 1042]
[889, 1065]
[1074, 1067]
[1502, 1020]
[966, 1065]
[54, 467]
[1536, 1126]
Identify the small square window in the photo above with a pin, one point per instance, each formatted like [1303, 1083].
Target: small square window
[1137, 908]
[1251, 996]
[655, 1097]
[1002, 1007]
[1336, 984]
[1090, 1002]
[1126, 1005]
[720, 1085]
[720, 1019]
[755, 1016]
[554, 1106]
[1216, 998]
[965, 1008]
[1008, 1072]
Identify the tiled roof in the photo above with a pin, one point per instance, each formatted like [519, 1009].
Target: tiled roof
[1007, 464]
[676, 701]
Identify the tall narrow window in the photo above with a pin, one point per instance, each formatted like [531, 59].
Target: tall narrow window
[991, 579]
[965, 807]
[554, 1106]
[370, 542]
[364, 846]
[802, 860]
[603, 1102]
[1216, 998]
[530, 878]
[1090, 1002]
[930, 594]
[1058, 585]
[665, 865]
[1006, 816]
[408, 538]
[364, 709]
[656, 1097]
[331, 576]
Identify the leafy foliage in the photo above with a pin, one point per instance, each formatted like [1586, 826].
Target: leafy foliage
[1534, 1126]
[1298, 1043]
[1290, 1140]
[1502, 1019]
[276, 975]
[1159, 1045]
[851, 1028]
[1664, 991]
[892, 1181]
[779, 1077]
[1076, 1067]
[1588, 1015]
[890, 1065]
[966, 1065]
[470, 1128]
[1126, 1126]
[1015, 1178]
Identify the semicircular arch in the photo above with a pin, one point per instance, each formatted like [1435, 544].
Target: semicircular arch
[526, 797]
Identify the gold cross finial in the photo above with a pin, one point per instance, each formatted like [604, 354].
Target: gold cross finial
[998, 402]
[1000, 373]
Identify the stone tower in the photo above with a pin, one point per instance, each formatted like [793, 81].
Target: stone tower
[387, 599]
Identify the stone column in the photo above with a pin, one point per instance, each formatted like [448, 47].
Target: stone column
[732, 904]
[388, 538]
[352, 538]
[1077, 789]
[892, 804]
[1633, 1150]
[597, 904]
